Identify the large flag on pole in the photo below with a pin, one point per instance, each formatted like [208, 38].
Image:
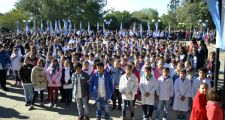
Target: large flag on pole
[60, 27]
[148, 27]
[56, 27]
[74, 28]
[70, 26]
[134, 27]
[97, 26]
[140, 29]
[47, 28]
[65, 27]
[121, 26]
[42, 29]
[213, 6]
[156, 27]
[27, 26]
[89, 29]
[80, 25]
[51, 28]
[34, 26]
[17, 26]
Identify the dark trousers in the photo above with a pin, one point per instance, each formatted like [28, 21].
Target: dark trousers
[67, 95]
[131, 104]
[116, 95]
[62, 93]
[148, 110]
[3, 74]
[36, 95]
[53, 91]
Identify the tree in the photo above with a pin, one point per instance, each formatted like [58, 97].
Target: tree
[8, 20]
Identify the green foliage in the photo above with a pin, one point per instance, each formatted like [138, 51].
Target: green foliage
[76, 10]
[8, 20]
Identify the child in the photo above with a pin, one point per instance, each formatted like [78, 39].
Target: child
[201, 79]
[165, 93]
[128, 88]
[199, 103]
[182, 89]
[54, 74]
[25, 75]
[38, 80]
[213, 108]
[15, 61]
[67, 83]
[148, 86]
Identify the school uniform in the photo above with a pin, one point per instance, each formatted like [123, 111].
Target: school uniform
[66, 85]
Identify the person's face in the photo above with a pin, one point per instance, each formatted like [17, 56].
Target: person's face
[86, 65]
[27, 61]
[100, 69]
[78, 70]
[116, 64]
[160, 65]
[165, 73]
[54, 62]
[201, 74]
[128, 71]
[203, 89]
[66, 64]
[39, 64]
[147, 72]
[182, 75]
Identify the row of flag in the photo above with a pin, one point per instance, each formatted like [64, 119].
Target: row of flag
[67, 27]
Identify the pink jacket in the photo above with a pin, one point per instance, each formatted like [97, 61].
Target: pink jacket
[214, 111]
[54, 78]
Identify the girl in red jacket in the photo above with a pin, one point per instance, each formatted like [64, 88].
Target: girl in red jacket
[198, 108]
[214, 110]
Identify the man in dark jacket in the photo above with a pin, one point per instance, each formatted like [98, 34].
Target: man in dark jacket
[4, 65]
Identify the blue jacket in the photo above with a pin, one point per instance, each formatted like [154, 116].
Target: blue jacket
[116, 74]
[94, 85]
[5, 59]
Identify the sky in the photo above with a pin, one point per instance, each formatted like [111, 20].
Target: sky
[118, 5]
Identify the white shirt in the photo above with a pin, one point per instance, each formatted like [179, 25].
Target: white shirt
[78, 94]
[127, 85]
[149, 86]
[165, 90]
[16, 61]
[101, 86]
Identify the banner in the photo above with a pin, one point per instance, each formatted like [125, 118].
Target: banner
[47, 27]
[88, 28]
[60, 27]
[213, 6]
[74, 28]
[34, 26]
[65, 27]
[140, 29]
[51, 28]
[156, 27]
[80, 25]
[56, 27]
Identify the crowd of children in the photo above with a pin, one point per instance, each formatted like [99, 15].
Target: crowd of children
[123, 69]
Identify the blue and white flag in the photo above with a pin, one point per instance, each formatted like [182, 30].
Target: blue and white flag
[56, 27]
[51, 28]
[134, 27]
[156, 27]
[88, 28]
[148, 27]
[42, 29]
[65, 27]
[70, 26]
[27, 26]
[34, 26]
[213, 6]
[17, 26]
[80, 25]
[121, 26]
[47, 27]
[141, 30]
[60, 27]
[97, 26]
[74, 28]
[103, 27]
